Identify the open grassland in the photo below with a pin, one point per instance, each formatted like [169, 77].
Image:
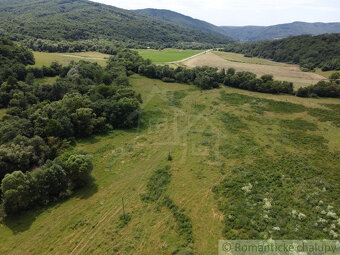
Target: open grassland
[244, 165]
[167, 55]
[281, 71]
[45, 58]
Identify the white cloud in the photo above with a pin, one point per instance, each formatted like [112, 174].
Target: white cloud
[243, 12]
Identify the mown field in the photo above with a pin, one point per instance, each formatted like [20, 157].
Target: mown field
[167, 55]
[45, 58]
[259, 66]
[244, 165]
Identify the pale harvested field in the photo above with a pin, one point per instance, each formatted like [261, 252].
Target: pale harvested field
[283, 72]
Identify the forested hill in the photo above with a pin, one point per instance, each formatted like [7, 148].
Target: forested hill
[256, 33]
[81, 19]
[322, 51]
[182, 20]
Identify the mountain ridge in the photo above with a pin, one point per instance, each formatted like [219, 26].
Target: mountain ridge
[280, 31]
[82, 19]
[181, 20]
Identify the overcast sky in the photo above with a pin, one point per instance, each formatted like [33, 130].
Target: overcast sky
[243, 12]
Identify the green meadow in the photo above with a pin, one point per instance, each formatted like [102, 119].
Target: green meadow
[239, 160]
[167, 55]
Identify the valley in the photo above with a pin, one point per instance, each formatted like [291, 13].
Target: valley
[133, 130]
[181, 120]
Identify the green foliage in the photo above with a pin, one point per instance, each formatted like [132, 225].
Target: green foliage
[175, 97]
[124, 220]
[326, 115]
[299, 124]
[321, 89]
[279, 198]
[157, 185]
[13, 59]
[82, 20]
[182, 20]
[322, 51]
[44, 119]
[54, 180]
[170, 157]
[232, 122]
[260, 33]
[157, 193]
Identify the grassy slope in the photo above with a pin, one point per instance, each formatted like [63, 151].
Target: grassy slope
[167, 55]
[258, 66]
[45, 58]
[187, 122]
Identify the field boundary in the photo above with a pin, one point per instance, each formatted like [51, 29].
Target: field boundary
[185, 59]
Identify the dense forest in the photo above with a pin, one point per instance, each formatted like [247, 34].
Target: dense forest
[182, 20]
[74, 20]
[259, 33]
[13, 59]
[310, 52]
[43, 120]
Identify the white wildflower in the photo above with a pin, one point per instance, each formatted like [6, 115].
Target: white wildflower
[320, 202]
[276, 228]
[323, 212]
[333, 226]
[332, 215]
[333, 234]
[321, 220]
[302, 216]
[247, 188]
[267, 204]
[329, 207]
[294, 213]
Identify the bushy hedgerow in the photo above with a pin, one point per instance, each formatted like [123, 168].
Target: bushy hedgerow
[54, 180]
[321, 89]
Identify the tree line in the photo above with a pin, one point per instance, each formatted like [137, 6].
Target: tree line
[310, 52]
[43, 120]
[209, 78]
[13, 59]
[106, 46]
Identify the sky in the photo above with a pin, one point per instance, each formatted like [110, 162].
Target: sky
[243, 12]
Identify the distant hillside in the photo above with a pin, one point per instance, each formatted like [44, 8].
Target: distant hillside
[256, 33]
[322, 51]
[182, 20]
[81, 19]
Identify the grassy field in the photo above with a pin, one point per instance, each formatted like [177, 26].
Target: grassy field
[223, 142]
[258, 66]
[167, 55]
[45, 58]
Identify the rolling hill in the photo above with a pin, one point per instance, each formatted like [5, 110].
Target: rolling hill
[81, 19]
[182, 20]
[256, 33]
[321, 51]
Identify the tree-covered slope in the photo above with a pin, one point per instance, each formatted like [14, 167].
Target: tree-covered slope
[322, 51]
[182, 20]
[82, 19]
[256, 33]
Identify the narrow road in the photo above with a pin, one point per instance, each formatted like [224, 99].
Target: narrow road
[182, 60]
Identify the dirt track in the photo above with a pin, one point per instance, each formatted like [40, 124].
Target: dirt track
[285, 72]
